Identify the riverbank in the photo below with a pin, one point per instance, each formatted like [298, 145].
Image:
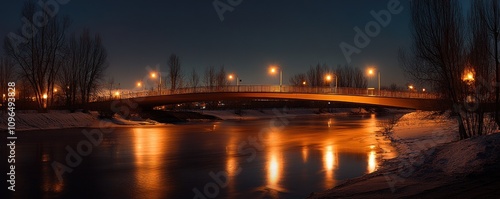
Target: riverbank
[431, 163]
[27, 121]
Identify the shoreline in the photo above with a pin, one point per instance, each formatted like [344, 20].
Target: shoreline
[431, 160]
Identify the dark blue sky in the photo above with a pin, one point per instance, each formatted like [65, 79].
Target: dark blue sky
[294, 34]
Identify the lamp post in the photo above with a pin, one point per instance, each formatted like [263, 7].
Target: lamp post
[371, 72]
[274, 70]
[329, 78]
[153, 75]
[231, 77]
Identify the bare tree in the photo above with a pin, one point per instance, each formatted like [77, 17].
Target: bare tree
[194, 79]
[345, 75]
[209, 78]
[316, 75]
[38, 56]
[359, 79]
[438, 57]
[298, 80]
[6, 74]
[487, 14]
[92, 63]
[174, 72]
[221, 79]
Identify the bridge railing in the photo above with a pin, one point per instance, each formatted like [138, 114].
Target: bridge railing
[283, 89]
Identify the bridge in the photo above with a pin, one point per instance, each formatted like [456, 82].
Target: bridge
[370, 96]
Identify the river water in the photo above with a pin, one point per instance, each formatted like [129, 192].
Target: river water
[282, 157]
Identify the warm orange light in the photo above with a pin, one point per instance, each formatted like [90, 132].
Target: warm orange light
[44, 96]
[371, 71]
[231, 77]
[410, 87]
[469, 76]
[117, 93]
[328, 78]
[273, 70]
[153, 75]
[423, 90]
[304, 83]
[139, 84]
[55, 90]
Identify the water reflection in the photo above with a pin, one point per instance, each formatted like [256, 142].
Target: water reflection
[50, 182]
[372, 161]
[149, 145]
[310, 154]
[305, 153]
[330, 162]
[274, 161]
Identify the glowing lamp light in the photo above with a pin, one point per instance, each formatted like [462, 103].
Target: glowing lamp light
[44, 96]
[328, 78]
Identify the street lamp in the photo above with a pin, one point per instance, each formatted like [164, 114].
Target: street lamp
[329, 79]
[231, 77]
[274, 70]
[371, 72]
[153, 75]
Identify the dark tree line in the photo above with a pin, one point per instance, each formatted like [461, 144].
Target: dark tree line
[347, 76]
[457, 55]
[44, 56]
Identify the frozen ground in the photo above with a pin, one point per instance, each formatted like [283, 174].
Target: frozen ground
[64, 119]
[432, 163]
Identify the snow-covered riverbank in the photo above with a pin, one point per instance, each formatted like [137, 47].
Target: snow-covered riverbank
[431, 163]
[64, 119]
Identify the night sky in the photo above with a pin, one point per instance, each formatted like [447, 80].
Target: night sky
[293, 34]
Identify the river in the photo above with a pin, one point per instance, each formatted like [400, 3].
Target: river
[283, 157]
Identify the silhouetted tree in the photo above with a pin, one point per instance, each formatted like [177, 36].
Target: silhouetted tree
[194, 79]
[298, 80]
[6, 74]
[38, 51]
[174, 72]
[221, 79]
[439, 56]
[209, 78]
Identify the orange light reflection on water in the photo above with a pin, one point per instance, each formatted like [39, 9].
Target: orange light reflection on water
[149, 147]
[330, 162]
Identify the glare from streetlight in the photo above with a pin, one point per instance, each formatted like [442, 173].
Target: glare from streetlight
[371, 71]
[423, 90]
[117, 93]
[304, 83]
[55, 90]
[231, 76]
[44, 96]
[139, 84]
[273, 70]
[153, 75]
[410, 87]
[328, 78]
